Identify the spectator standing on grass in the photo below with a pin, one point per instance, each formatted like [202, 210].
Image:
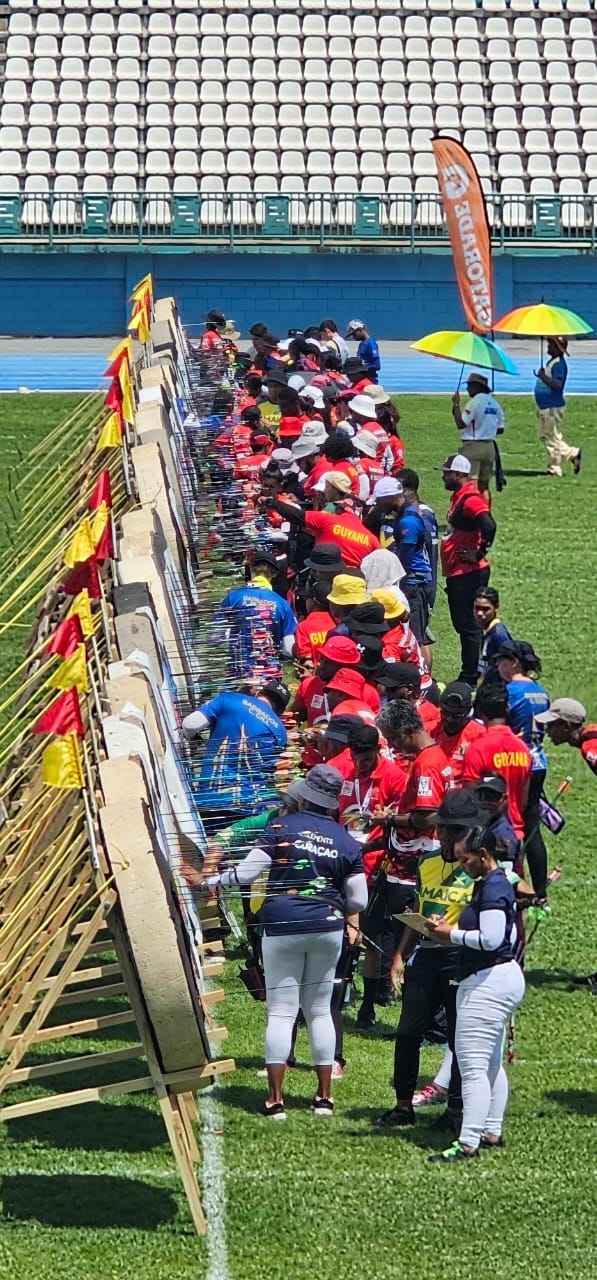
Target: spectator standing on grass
[480, 422]
[518, 665]
[490, 988]
[469, 533]
[494, 632]
[551, 405]
[367, 350]
[565, 723]
[499, 751]
[315, 884]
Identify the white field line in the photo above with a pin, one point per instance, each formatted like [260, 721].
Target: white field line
[214, 1184]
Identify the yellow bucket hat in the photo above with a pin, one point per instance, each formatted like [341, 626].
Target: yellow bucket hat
[347, 590]
[392, 606]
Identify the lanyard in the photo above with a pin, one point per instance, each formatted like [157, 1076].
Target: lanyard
[363, 805]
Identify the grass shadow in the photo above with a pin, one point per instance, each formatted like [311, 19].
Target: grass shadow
[561, 978]
[85, 1200]
[581, 1101]
[95, 1126]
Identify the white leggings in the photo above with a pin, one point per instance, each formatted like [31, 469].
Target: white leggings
[484, 1002]
[299, 972]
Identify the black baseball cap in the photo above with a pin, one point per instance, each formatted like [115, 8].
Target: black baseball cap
[215, 317]
[339, 728]
[277, 376]
[279, 691]
[263, 557]
[457, 696]
[491, 782]
[460, 809]
[394, 674]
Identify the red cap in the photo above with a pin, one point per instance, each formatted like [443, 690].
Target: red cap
[347, 681]
[341, 649]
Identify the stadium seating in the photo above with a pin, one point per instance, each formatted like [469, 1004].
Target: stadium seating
[330, 102]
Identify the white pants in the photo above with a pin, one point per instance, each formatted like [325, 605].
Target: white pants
[484, 1002]
[299, 973]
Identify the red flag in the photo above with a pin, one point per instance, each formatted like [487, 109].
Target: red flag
[67, 637]
[112, 370]
[102, 492]
[466, 216]
[84, 576]
[113, 399]
[62, 716]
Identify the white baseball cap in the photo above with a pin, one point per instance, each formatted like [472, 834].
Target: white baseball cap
[387, 487]
[456, 462]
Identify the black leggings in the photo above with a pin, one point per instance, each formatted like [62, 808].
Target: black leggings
[426, 988]
[534, 844]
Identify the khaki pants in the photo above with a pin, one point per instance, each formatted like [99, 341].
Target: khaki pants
[481, 455]
[550, 421]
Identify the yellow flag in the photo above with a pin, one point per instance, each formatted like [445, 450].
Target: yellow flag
[81, 605]
[98, 523]
[80, 546]
[128, 399]
[125, 345]
[139, 324]
[61, 763]
[73, 671]
[111, 435]
[143, 286]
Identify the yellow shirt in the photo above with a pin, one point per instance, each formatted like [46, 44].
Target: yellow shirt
[443, 888]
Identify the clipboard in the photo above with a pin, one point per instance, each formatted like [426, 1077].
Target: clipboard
[414, 920]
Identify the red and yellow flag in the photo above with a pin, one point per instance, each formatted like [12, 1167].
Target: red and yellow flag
[73, 671]
[62, 765]
[66, 637]
[124, 346]
[101, 526]
[126, 387]
[468, 227]
[81, 609]
[62, 716]
[139, 322]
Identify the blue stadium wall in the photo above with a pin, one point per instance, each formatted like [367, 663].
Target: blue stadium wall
[401, 295]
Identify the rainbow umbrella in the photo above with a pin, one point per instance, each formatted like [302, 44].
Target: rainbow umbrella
[542, 321]
[466, 348]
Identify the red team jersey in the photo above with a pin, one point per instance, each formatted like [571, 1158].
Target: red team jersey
[466, 503]
[588, 746]
[428, 781]
[500, 751]
[456, 745]
[311, 633]
[346, 531]
[361, 795]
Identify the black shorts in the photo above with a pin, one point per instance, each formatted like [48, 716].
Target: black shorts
[418, 603]
[391, 899]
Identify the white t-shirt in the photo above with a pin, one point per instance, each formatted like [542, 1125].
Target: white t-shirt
[341, 346]
[483, 417]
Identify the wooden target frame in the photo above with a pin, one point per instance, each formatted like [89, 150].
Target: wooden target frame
[86, 875]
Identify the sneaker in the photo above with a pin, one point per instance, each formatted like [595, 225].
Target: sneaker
[451, 1154]
[428, 1096]
[448, 1122]
[577, 462]
[396, 1117]
[274, 1110]
[337, 1070]
[365, 1019]
[490, 1145]
[322, 1106]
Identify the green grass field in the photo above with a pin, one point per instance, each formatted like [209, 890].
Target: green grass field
[92, 1194]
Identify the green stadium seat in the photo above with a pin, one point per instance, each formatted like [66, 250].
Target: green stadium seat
[10, 215]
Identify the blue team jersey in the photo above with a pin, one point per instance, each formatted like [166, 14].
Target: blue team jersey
[550, 397]
[256, 620]
[429, 519]
[496, 635]
[527, 699]
[368, 353]
[311, 857]
[237, 768]
[493, 893]
[411, 544]
[508, 842]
